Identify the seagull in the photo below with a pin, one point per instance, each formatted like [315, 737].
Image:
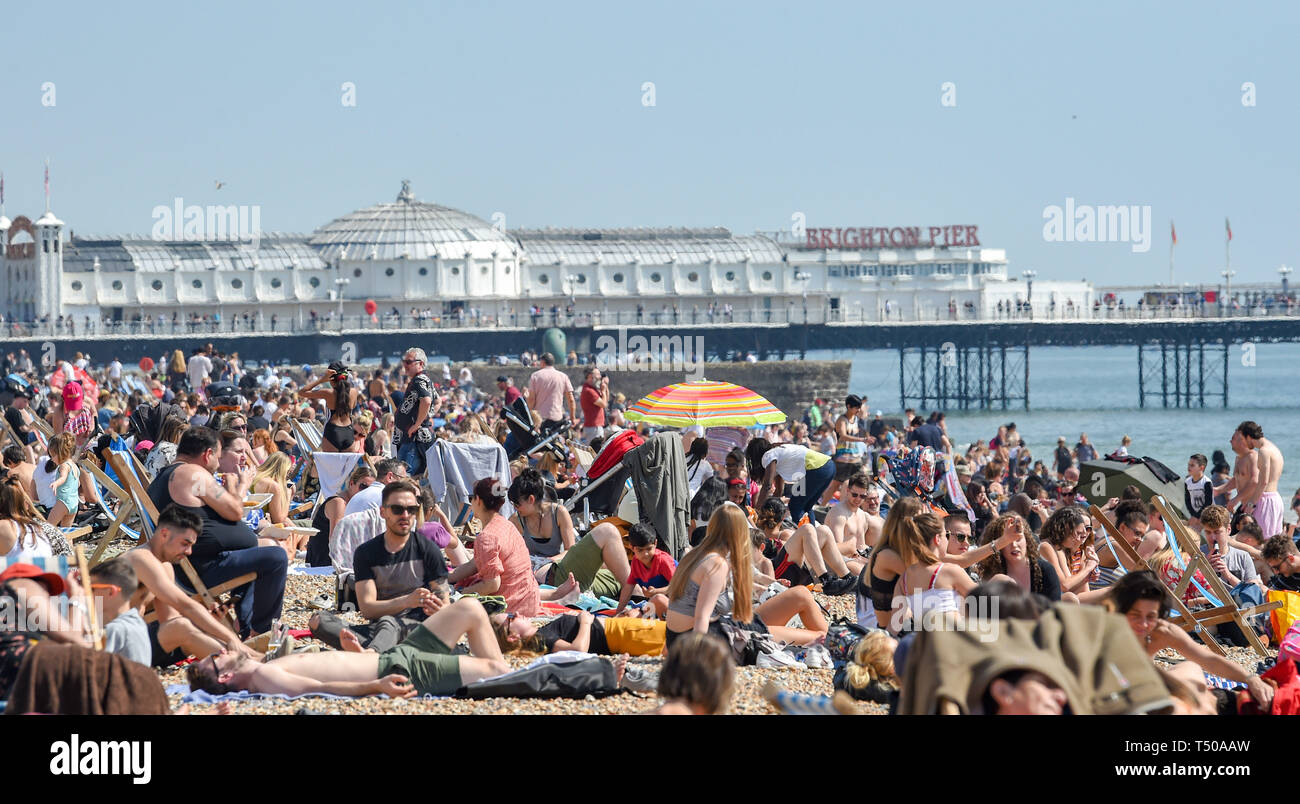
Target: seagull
[219, 184]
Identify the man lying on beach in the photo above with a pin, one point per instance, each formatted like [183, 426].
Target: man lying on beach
[183, 627]
[423, 664]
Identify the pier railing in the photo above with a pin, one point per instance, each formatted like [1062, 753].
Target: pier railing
[794, 315]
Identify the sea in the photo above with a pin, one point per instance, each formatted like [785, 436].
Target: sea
[1094, 390]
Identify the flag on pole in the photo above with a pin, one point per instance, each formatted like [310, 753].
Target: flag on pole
[1173, 233]
[47, 185]
[1228, 225]
[2, 189]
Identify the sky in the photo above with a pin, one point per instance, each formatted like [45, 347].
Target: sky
[846, 114]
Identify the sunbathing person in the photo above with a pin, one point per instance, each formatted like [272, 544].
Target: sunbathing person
[424, 663]
[809, 546]
[875, 586]
[581, 631]
[598, 560]
[849, 521]
[933, 586]
[1145, 603]
[184, 627]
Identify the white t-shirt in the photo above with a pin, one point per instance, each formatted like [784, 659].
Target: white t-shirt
[696, 477]
[466, 376]
[198, 370]
[42, 480]
[790, 461]
[369, 497]
[24, 551]
[115, 370]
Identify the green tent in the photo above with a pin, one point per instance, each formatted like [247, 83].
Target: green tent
[1100, 480]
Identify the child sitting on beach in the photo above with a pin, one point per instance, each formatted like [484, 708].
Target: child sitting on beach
[651, 570]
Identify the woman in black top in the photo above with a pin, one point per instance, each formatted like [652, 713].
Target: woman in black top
[342, 399]
[1019, 562]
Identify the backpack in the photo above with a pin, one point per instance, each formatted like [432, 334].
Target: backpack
[842, 637]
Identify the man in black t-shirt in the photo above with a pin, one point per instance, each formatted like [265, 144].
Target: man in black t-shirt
[1064, 458]
[1283, 558]
[411, 419]
[926, 435]
[401, 577]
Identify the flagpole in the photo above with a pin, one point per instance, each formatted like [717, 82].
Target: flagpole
[1173, 241]
[47, 185]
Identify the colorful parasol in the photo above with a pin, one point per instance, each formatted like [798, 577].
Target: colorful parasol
[706, 403]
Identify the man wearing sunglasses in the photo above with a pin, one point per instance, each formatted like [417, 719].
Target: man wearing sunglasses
[113, 583]
[401, 577]
[411, 420]
[1283, 558]
[848, 518]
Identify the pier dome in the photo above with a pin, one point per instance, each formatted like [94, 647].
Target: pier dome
[412, 229]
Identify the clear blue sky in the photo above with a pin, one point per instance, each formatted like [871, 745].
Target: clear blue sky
[762, 110]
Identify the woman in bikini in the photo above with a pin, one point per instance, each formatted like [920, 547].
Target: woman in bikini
[341, 398]
[933, 586]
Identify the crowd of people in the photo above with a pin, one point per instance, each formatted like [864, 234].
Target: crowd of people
[780, 518]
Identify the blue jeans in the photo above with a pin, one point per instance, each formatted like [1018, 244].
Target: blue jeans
[411, 453]
[263, 599]
[815, 482]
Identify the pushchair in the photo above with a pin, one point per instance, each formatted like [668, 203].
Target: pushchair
[606, 477]
[527, 440]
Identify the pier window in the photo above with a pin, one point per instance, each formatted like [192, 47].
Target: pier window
[275, 283]
[694, 277]
[388, 272]
[117, 284]
[197, 284]
[76, 286]
[424, 272]
[356, 273]
[156, 284]
[545, 279]
[655, 278]
[731, 276]
[618, 278]
[767, 276]
[314, 281]
[236, 283]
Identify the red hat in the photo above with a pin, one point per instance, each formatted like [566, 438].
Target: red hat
[72, 396]
[736, 481]
[53, 583]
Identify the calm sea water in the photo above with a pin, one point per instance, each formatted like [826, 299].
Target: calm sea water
[1094, 389]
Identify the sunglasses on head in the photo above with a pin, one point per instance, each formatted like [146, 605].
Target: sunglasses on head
[398, 510]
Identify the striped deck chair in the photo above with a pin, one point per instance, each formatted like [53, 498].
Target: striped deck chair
[148, 516]
[125, 508]
[61, 565]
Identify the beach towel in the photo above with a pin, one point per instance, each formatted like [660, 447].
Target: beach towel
[207, 698]
[71, 680]
[332, 469]
[461, 465]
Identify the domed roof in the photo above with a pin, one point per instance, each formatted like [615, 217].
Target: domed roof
[410, 228]
[48, 219]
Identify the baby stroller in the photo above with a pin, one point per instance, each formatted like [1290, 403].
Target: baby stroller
[606, 477]
[527, 440]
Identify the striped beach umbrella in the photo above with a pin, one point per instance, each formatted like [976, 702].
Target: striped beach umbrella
[706, 403]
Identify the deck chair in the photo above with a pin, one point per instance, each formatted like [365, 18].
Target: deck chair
[1128, 558]
[61, 565]
[148, 516]
[1224, 609]
[125, 508]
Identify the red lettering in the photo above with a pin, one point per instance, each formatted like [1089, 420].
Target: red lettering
[912, 236]
[956, 235]
[934, 234]
[851, 239]
[839, 238]
[881, 235]
[971, 239]
[896, 236]
[811, 238]
[826, 238]
[869, 237]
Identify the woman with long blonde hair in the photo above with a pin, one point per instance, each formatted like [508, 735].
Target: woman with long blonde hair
[272, 477]
[713, 582]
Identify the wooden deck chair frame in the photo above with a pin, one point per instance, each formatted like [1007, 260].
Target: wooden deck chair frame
[1189, 543]
[1131, 560]
[149, 515]
[125, 507]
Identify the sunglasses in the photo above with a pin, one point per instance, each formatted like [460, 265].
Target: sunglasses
[408, 361]
[105, 587]
[510, 617]
[960, 537]
[398, 510]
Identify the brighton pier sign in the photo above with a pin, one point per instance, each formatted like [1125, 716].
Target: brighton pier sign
[860, 237]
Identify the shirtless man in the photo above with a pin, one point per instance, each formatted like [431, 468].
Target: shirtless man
[1245, 470]
[422, 664]
[848, 521]
[1267, 504]
[184, 627]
